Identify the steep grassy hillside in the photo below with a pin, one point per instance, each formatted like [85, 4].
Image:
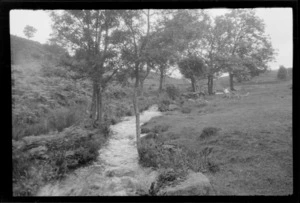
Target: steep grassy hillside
[46, 101]
[44, 96]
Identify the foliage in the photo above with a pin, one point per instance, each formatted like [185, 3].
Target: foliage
[90, 35]
[29, 31]
[31, 170]
[167, 176]
[209, 131]
[187, 28]
[282, 73]
[172, 92]
[192, 67]
[54, 49]
[186, 110]
[160, 128]
[245, 45]
[156, 129]
[163, 103]
[153, 154]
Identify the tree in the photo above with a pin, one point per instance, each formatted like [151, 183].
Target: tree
[29, 31]
[89, 35]
[212, 43]
[282, 73]
[136, 33]
[187, 30]
[192, 67]
[246, 46]
[162, 49]
[161, 56]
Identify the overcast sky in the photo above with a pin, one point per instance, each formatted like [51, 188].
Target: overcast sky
[278, 21]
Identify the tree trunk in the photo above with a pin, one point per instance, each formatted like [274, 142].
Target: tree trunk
[93, 105]
[161, 80]
[100, 107]
[231, 81]
[137, 117]
[136, 106]
[141, 87]
[193, 84]
[210, 84]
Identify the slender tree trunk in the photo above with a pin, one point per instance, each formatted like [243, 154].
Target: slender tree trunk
[92, 110]
[142, 87]
[94, 102]
[100, 107]
[193, 84]
[137, 117]
[136, 105]
[161, 80]
[231, 81]
[210, 84]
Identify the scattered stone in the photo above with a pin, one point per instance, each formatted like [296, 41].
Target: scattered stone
[193, 95]
[120, 172]
[38, 151]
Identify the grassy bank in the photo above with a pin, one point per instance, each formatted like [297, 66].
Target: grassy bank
[38, 160]
[244, 145]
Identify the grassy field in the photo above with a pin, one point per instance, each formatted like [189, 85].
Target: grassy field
[253, 147]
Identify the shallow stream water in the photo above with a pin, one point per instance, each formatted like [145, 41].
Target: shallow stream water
[116, 172]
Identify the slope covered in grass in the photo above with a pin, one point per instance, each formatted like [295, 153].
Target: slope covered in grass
[44, 96]
[250, 138]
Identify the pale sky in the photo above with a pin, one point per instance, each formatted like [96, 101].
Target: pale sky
[278, 21]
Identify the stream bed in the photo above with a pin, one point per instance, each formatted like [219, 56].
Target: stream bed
[116, 172]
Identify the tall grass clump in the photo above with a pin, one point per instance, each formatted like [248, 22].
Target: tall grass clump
[54, 120]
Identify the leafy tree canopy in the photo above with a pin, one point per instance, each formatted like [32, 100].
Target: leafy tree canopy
[29, 31]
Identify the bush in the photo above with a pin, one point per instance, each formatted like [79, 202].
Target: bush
[117, 92]
[163, 104]
[154, 154]
[55, 120]
[172, 92]
[186, 110]
[62, 118]
[36, 56]
[33, 167]
[171, 136]
[160, 128]
[209, 131]
[105, 128]
[145, 130]
[167, 176]
[199, 161]
[282, 73]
